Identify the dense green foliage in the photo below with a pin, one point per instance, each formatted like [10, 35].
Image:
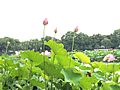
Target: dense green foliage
[34, 71]
[98, 55]
[81, 42]
[98, 41]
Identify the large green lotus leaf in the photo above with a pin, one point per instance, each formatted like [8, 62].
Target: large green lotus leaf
[85, 67]
[57, 48]
[81, 56]
[86, 82]
[1, 86]
[13, 72]
[116, 66]
[66, 61]
[1, 77]
[103, 67]
[76, 69]
[99, 75]
[51, 69]
[95, 64]
[36, 82]
[34, 57]
[110, 85]
[23, 72]
[1, 62]
[115, 87]
[26, 87]
[109, 67]
[10, 63]
[117, 53]
[37, 70]
[71, 76]
[112, 67]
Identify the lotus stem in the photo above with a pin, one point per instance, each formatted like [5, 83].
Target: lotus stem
[73, 41]
[43, 49]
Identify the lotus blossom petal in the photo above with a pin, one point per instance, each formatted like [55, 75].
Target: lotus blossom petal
[109, 58]
[46, 53]
[17, 53]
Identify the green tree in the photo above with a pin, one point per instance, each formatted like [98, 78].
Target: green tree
[95, 41]
[115, 38]
[67, 40]
[12, 47]
[82, 41]
[33, 44]
[106, 43]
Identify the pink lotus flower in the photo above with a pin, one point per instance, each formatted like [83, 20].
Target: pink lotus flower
[109, 58]
[45, 22]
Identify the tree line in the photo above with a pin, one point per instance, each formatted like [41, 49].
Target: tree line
[81, 42]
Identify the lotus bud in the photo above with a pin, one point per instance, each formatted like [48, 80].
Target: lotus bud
[45, 22]
[76, 29]
[55, 31]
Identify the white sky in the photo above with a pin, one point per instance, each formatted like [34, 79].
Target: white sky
[22, 19]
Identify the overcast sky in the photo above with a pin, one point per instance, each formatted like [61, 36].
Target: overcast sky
[22, 19]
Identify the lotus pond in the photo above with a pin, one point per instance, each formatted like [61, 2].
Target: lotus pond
[61, 71]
